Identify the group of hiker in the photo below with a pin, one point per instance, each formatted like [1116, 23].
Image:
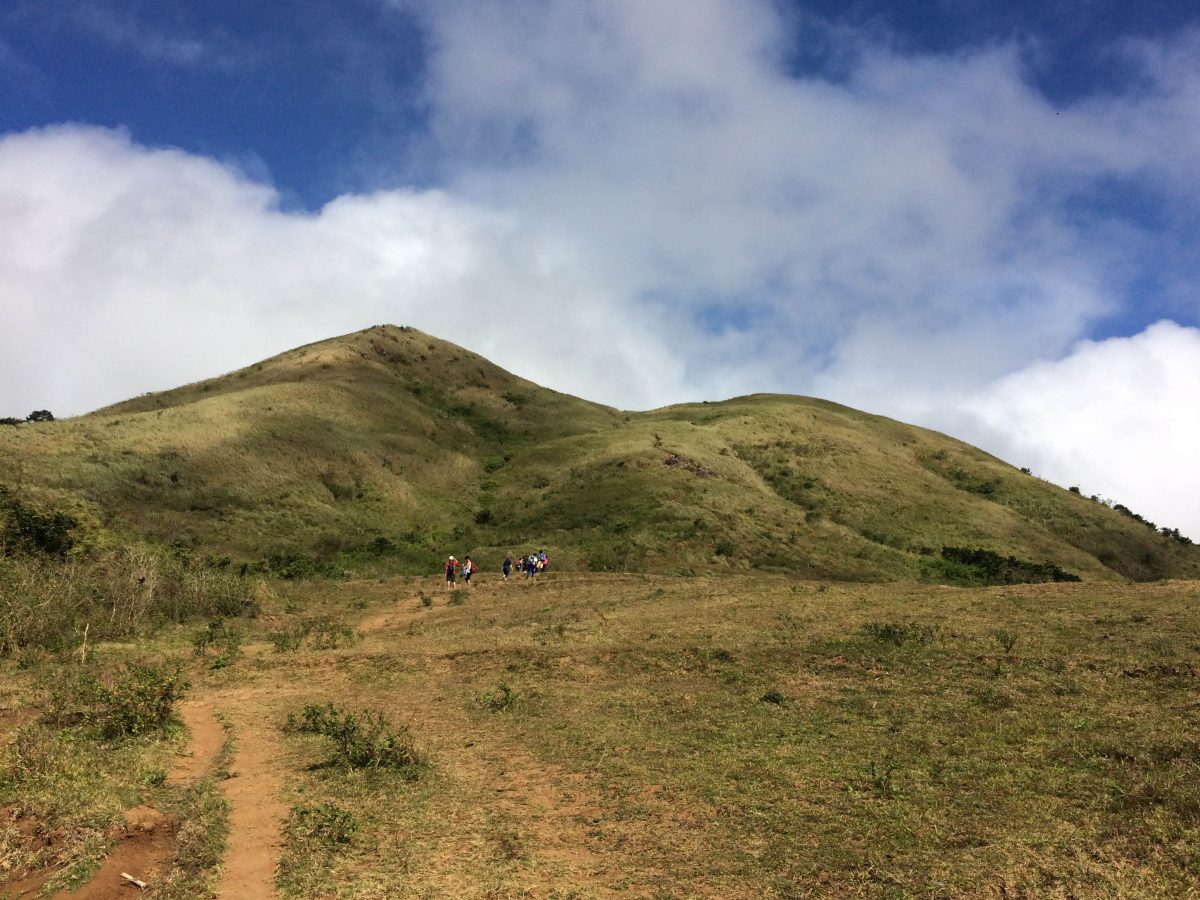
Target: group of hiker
[531, 564]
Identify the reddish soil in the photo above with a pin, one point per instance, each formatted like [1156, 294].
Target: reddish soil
[144, 851]
[207, 737]
[256, 814]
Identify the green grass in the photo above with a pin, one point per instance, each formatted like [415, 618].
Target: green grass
[379, 452]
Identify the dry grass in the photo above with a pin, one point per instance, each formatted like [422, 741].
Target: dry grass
[598, 735]
[608, 736]
[389, 433]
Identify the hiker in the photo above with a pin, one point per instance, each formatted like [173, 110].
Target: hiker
[543, 562]
[451, 564]
[468, 569]
[531, 566]
[507, 567]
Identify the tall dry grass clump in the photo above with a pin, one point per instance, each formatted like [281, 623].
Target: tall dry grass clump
[54, 590]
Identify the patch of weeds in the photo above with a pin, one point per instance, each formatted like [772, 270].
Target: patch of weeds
[1006, 639]
[364, 740]
[329, 634]
[325, 824]
[501, 700]
[457, 598]
[773, 696]
[321, 633]
[218, 635]
[880, 779]
[426, 600]
[509, 845]
[287, 640]
[898, 634]
[200, 843]
[1067, 688]
[996, 698]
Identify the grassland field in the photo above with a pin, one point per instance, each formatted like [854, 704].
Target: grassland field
[603, 735]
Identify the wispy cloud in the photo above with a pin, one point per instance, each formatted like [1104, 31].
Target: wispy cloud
[126, 31]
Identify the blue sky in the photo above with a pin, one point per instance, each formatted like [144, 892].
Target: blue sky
[970, 215]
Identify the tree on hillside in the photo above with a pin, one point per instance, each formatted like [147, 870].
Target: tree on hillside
[10, 420]
[40, 415]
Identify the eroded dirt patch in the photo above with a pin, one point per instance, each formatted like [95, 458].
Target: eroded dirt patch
[143, 851]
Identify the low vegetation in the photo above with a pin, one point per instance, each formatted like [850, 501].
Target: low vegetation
[380, 452]
[710, 692]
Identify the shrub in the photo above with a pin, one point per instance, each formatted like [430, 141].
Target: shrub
[220, 636]
[898, 634]
[724, 548]
[364, 740]
[1006, 639]
[141, 698]
[963, 565]
[381, 546]
[772, 696]
[27, 529]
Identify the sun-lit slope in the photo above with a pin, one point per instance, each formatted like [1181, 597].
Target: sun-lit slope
[779, 482]
[391, 434]
[322, 448]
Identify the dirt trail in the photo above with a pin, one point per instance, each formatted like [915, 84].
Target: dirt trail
[143, 848]
[207, 736]
[255, 811]
[144, 851]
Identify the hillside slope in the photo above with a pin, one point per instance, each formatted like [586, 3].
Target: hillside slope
[385, 449]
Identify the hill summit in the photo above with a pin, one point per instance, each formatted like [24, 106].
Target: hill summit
[386, 449]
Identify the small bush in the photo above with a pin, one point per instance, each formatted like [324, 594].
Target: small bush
[1006, 639]
[219, 636]
[724, 548]
[141, 698]
[898, 634]
[773, 696]
[287, 640]
[966, 566]
[364, 740]
[500, 701]
[323, 633]
[329, 634]
[25, 528]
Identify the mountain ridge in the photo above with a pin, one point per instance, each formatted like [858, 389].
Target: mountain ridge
[384, 449]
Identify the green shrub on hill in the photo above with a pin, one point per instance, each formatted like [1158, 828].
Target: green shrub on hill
[26, 529]
[965, 566]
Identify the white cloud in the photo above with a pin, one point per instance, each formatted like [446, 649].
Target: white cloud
[128, 269]
[1118, 418]
[681, 215]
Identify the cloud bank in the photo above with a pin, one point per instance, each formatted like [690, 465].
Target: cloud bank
[644, 207]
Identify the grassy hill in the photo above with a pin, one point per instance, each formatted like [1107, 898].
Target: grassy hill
[383, 450]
